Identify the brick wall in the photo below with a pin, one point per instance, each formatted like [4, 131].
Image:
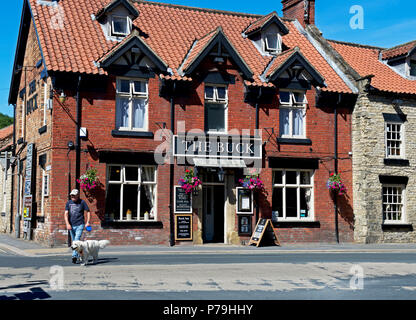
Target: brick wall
[98, 116]
[27, 128]
[295, 9]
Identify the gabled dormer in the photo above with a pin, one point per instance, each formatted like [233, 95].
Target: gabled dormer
[292, 70]
[132, 57]
[116, 19]
[266, 34]
[214, 44]
[402, 59]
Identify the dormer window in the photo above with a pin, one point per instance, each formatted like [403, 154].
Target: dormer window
[120, 26]
[273, 43]
[413, 68]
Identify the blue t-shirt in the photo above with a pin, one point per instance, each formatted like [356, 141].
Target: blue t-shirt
[76, 212]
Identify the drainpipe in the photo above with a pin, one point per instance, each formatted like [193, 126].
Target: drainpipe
[12, 176]
[336, 165]
[78, 139]
[257, 128]
[172, 168]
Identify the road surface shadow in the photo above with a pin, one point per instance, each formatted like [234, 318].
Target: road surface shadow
[29, 284]
[32, 294]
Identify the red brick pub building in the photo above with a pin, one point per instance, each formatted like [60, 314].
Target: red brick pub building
[102, 84]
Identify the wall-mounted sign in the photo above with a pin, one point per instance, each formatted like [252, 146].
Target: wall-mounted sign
[183, 201]
[244, 225]
[217, 146]
[244, 201]
[183, 227]
[27, 207]
[27, 197]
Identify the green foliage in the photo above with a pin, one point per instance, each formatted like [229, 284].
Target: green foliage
[5, 121]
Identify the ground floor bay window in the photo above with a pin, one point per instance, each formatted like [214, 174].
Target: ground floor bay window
[292, 195]
[131, 193]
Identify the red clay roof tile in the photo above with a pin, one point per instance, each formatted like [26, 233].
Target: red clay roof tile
[365, 60]
[171, 31]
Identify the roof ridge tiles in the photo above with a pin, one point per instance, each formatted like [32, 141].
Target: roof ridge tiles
[399, 46]
[364, 46]
[252, 15]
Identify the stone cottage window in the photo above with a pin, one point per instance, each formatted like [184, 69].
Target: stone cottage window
[393, 204]
[394, 140]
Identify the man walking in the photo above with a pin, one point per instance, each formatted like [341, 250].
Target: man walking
[74, 218]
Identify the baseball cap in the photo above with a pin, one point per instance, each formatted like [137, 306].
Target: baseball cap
[74, 192]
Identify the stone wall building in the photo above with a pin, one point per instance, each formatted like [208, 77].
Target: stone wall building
[384, 149]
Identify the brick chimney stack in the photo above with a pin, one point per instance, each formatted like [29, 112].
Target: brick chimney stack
[302, 10]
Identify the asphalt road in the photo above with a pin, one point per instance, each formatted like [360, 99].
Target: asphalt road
[212, 276]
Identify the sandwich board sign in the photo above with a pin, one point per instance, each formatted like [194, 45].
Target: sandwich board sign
[183, 230]
[264, 234]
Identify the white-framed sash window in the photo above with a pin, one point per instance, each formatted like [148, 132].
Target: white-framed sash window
[216, 108]
[293, 195]
[132, 110]
[292, 114]
[394, 208]
[131, 193]
[394, 139]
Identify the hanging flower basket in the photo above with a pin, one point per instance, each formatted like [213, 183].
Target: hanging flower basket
[252, 182]
[334, 183]
[89, 180]
[190, 182]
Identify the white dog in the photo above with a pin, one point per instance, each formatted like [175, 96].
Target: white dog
[89, 248]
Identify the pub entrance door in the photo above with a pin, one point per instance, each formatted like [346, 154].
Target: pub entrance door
[213, 211]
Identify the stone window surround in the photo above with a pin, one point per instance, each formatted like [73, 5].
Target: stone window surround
[395, 119]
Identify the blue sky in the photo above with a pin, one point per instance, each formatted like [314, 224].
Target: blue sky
[386, 23]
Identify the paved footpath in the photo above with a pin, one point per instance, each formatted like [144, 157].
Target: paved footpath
[316, 271]
[9, 243]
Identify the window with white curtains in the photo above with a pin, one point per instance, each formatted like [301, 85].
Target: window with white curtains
[132, 104]
[292, 112]
[292, 198]
[131, 193]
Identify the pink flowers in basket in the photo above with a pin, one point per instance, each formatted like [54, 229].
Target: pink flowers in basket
[190, 181]
[334, 183]
[252, 182]
[88, 181]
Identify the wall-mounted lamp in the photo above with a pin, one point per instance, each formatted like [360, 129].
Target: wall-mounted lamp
[71, 145]
[221, 175]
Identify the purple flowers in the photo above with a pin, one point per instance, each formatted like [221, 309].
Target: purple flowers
[252, 183]
[334, 183]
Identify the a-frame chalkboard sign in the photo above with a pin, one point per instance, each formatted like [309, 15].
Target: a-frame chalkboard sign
[264, 234]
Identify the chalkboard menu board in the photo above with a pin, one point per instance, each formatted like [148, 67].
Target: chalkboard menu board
[264, 234]
[183, 227]
[183, 201]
